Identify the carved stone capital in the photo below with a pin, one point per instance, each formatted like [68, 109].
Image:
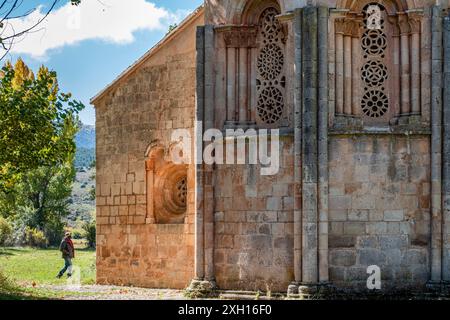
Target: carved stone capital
[239, 36]
[349, 26]
[393, 19]
[415, 21]
[340, 25]
[403, 23]
[357, 27]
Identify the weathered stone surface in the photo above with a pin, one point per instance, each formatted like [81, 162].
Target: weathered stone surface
[352, 190]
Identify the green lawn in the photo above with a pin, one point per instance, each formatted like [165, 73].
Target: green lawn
[25, 265]
[25, 268]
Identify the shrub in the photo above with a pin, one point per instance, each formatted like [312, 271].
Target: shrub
[90, 232]
[54, 231]
[35, 238]
[77, 234]
[6, 232]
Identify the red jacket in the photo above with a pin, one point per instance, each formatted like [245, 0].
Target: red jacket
[67, 248]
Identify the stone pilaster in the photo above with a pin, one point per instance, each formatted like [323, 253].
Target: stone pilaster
[204, 281]
[208, 187]
[200, 104]
[436, 146]
[323, 143]
[310, 272]
[446, 154]
[297, 27]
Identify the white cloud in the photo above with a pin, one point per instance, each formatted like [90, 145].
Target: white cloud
[107, 20]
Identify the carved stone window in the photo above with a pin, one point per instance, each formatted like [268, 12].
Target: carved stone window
[381, 60]
[271, 79]
[167, 189]
[374, 73]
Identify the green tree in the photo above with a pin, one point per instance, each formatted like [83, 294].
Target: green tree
[41, 198]
[90, 231]
[33, 126]
[37, 137]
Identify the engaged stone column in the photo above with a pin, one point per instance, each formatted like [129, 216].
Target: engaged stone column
[415, 66]
[348, 68]
[446, 153]
[204, 192]
[396, 72]
[436, 146]
[339, 67]
[208, 191]
[323, 144]
[425, 64]
[405, 65]
[231, 84]
[309, 149]
[297, 151]
[356, 51]
[200, 105]
[243, 84]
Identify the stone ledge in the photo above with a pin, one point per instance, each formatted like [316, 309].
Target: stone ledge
[372, 130]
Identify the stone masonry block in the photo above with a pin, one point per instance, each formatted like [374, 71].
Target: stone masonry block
[394, 215]
[342, 257]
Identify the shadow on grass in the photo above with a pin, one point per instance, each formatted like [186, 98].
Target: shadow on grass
[13, 251]
[85, 249]
[20, 296]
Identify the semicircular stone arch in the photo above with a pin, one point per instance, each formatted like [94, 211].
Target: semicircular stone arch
[391, 5]
[246, 11]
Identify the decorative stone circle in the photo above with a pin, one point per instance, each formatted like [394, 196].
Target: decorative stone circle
[374, 73]
[374, 42]
[375, 103]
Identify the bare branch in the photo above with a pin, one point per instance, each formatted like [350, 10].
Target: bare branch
[8, 34]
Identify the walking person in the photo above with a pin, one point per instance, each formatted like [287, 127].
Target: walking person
[68, 253]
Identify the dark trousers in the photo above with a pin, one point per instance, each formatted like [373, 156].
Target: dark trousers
[67, 266]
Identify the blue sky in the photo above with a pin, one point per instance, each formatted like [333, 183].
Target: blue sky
[90, 61]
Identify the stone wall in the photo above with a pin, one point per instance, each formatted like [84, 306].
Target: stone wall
[379, 209]
[349, 194]
[143, 109]
[254, 225]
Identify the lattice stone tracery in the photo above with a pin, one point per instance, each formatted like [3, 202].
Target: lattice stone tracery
[270, 67]
[181, 191]
[374, 73]
[374, 42]
[375, 103]
[270, 62]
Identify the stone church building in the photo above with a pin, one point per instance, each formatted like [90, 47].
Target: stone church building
[360, 94]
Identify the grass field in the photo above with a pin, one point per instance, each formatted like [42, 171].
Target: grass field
[28, 268]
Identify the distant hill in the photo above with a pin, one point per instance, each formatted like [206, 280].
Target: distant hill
[85, 138]
[85, 141]
[82, 206]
